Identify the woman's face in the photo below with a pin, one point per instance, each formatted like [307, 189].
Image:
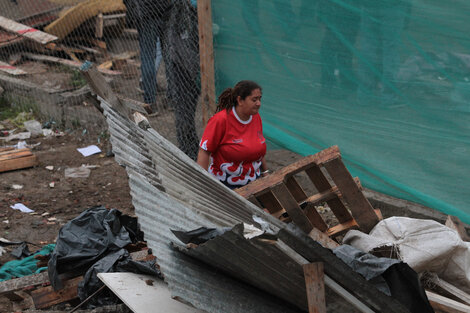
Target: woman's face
[251, 104]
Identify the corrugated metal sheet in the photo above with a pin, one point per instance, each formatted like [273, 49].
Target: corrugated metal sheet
[258, 261]
[170, 191]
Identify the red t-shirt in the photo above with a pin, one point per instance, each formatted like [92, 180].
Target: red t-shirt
[236, 147]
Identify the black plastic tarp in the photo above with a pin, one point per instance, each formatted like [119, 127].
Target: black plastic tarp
[393, 277]
[93, 243]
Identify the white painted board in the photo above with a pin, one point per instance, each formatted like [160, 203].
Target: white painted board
[141, 297]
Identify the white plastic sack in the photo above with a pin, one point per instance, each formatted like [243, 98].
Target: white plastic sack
[425, 245]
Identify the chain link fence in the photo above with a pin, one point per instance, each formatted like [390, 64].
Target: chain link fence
[147, 51]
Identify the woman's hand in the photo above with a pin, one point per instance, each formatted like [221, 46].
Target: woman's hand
[265, 173]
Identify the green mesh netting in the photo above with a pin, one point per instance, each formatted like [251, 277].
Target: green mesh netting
[386, 81]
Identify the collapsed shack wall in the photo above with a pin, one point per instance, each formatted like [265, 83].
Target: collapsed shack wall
[159, 211]
[166, 187]
[66, 108]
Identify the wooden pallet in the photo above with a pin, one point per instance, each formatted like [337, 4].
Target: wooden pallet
[281, 194]
[16, 159]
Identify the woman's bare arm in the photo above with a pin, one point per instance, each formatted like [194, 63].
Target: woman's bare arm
[203, 158]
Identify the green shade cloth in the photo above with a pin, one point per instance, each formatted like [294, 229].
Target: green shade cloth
[386, 81]
[24, 267]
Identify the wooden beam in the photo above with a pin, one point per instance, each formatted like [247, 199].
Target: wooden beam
[99, 26]
[446, 305]
[295, 189]
[26, 31]
[78, 14]
[323, 185]
[360, 207]
[451, 290]
[100, 87]
[315, 286]
[70, 63]
[292, 208]
[206, 56]
[342, 228]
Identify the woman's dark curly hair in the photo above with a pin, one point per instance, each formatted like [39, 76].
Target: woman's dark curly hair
[228, 97]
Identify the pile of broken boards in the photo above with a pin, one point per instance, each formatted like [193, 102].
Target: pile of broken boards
[97, 241]
[272, 249]
[54, 32]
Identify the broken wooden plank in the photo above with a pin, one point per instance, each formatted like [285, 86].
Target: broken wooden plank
[102, 89]
[315, 287]
[46, 296]
[443, 304]
[13, 163]
[456, 224]
[14, 154]
[70, 63]
[22, 282]
[26, 31]
[144, 293]
[10, 69]
[12, 285]
[447, 289]
[342, 228]
[99, 26]
[78, 14]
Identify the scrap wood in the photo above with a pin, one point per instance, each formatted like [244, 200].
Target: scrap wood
[315, 285]
[17, 159]
[456, 224]
[16, 284]
[80, 13]
[71, 63]
[10, 69]
[26, 31]
[444, 288]
[443, 304]
[46, 296]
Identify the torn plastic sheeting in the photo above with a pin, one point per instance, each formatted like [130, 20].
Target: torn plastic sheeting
[21, 251]
[199, 235]
[84, 240]
[426, 245]
[392, 277]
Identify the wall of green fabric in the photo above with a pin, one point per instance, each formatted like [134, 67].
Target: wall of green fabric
[387, 81]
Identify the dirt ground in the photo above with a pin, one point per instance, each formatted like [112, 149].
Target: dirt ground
[107, 185]
[54, 206]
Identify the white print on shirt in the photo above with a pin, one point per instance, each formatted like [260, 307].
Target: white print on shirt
[203, 145]
[233, 177]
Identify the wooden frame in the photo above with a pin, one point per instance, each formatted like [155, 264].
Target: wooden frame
[281, 194]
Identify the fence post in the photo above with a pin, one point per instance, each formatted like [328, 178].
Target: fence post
[206, 56]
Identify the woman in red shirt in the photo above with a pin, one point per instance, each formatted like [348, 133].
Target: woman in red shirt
[232, 147]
